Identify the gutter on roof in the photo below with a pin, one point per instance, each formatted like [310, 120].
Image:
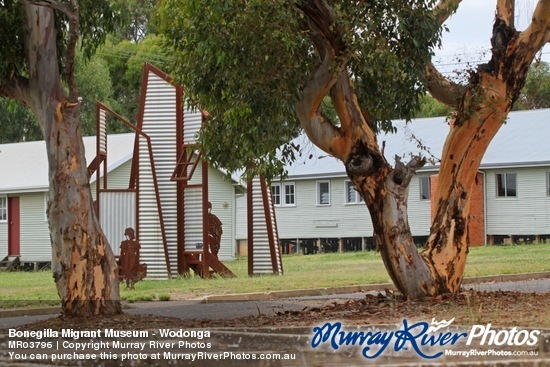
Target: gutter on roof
[13, 190]
[320, 176]
[497, 166]
[311, 176]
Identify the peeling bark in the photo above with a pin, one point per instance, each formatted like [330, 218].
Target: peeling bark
[482, 107]
[483, 110]
[85, 270]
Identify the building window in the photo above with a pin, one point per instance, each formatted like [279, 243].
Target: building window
[276, 193]
[352, 195]
[506, 185]
[323, 192]
[425, 188]
[284, 194]
[3, 208]
[290, 194]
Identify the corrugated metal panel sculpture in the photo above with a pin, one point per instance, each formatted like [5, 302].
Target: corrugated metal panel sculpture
[167, 196]
[264, 254]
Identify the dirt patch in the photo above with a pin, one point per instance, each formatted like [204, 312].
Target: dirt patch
[468, 308]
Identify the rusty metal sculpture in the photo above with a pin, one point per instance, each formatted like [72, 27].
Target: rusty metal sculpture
[215, 232]
[130, 269]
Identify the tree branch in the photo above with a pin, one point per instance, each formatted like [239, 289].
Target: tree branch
[403, 173]
[538, 33]
[17, 89]
[444, 9]
[441, 88]
[71, 11]
[319, 130]
[321, 27]
[353, 121]
[505, 11]
[70, 61]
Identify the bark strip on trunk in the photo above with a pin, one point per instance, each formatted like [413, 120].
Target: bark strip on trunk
[468, 139]
[85, 270]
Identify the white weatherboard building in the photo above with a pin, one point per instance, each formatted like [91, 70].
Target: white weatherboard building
[24, 186]
[318, 208]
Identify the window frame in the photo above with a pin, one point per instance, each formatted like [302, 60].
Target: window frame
[358, 199]
[274, 195]
[3, 208]
[421, 188]
[283, 194]
[505, 188]
[547, 183]
[318, 193]
[284, 187]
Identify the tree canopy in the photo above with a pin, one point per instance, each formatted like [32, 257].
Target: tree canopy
[536, 93]
[266, 63]
[251, 72]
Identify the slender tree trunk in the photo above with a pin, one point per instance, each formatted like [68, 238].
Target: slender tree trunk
[85, 271]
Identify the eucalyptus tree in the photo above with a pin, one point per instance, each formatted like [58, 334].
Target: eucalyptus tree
[38, 44]
[262, 70]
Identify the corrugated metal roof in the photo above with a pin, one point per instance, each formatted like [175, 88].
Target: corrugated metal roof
[522, 141]
[24, 166]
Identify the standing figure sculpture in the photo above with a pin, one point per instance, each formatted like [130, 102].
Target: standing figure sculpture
[130, 268]
[214, 231]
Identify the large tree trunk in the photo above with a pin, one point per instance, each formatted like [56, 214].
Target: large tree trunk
[482, 108]
[440, 267]
[85, 270]
[482, 111]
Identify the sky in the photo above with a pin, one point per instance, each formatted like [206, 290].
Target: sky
[470, 30]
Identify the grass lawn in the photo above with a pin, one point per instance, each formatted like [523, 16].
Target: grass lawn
[312, 271]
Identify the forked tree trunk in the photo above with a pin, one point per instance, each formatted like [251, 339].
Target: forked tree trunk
[85, 271]
[485, 104]
[482, 108]
[440, 267]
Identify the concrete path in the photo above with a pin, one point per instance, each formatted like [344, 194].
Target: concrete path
[235, 306]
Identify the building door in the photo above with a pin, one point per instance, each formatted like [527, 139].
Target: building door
[14, 228]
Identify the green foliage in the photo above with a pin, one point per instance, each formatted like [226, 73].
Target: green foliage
[536, 92]
[125, 60]
[431, 107]
[12, 53]
[17, 123]
[136, 16]
[94, 84]
[97, 18]
[247, 62]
